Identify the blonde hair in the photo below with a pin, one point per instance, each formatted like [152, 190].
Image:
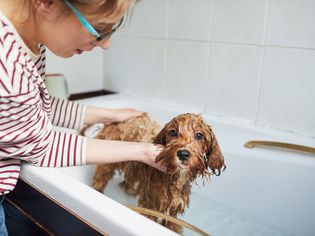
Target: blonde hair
[92, 9]
[102, 8]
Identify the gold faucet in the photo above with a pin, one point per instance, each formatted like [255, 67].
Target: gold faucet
[289, 146]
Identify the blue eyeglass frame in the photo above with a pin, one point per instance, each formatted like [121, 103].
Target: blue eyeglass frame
[89, 27]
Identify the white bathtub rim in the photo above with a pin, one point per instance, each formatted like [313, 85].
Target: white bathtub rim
[45, 180]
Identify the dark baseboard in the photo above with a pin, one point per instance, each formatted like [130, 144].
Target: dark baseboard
[78, 96]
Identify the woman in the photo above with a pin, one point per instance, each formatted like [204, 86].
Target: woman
[27, 112]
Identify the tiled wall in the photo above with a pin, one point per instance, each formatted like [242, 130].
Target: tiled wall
[252, 60]
[84, 73]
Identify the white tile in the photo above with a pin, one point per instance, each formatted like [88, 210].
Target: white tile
[116, 65]
[291, 23]
[186, 70]
[124, 29]
[79, 78]
[146, 67]
[233, 82]
[239, 21]
[189, 19]
[149, 19]
[288, 90]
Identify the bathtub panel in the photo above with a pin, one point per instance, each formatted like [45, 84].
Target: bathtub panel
[41, 215]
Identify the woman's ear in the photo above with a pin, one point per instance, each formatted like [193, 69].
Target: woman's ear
[47, 8]
[214, 158]
[43, 5]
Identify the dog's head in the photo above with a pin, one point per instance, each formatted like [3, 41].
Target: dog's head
[190, 147]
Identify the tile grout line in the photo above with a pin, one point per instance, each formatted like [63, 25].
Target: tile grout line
[262, 64]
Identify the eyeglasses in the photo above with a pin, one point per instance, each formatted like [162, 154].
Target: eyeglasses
[98, 36]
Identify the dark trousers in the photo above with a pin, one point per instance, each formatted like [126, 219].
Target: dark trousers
[3, 228]
[17, 223]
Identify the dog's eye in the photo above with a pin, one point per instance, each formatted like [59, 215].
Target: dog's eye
[173, 133]
[199, 136]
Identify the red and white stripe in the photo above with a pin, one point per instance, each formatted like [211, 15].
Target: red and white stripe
[27, 114]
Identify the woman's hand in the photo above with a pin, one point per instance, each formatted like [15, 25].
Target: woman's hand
[106, 115]
[153, 152]
[122, 114]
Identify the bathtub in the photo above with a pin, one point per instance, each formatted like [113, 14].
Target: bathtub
[262, 192]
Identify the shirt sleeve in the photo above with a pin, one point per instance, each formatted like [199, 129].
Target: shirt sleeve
[67, 114]
[25, 121]
[26, 134]
[9, 174]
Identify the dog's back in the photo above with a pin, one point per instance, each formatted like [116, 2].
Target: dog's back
[138, 129]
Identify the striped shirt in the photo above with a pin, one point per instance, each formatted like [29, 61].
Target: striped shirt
[28, 113]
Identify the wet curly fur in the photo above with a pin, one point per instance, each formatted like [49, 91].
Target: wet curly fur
[190, 150]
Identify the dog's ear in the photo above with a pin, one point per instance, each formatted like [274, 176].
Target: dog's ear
[213, 157]
[160, 138]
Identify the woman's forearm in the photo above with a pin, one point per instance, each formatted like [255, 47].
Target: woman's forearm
[97, 114]
[110, 151]
[107, 115]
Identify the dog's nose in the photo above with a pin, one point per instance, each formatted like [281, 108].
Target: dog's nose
[183, 155]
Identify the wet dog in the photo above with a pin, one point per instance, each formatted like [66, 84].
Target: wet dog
[190, 150]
